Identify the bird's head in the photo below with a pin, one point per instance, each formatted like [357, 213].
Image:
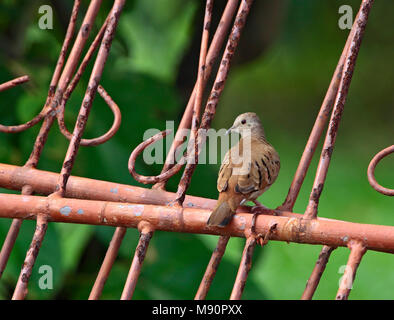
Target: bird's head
[247, 124]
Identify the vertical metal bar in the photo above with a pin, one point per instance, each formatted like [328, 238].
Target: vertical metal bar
[213, 53]
[329, 142]
[211, 56]
[218, 86]
[315, 135]
[357, 250]
[107, 264]
[193, 151]
[244, 268]
[89, 97]
[317, 272]
[212, 267]
[318, 127]
[146, 233]
[21, 286]
[12, 234]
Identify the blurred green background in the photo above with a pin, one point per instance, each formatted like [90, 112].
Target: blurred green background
[282, 69]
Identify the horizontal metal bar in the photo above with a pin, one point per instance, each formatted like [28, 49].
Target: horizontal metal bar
[189, 220]
[44, 182]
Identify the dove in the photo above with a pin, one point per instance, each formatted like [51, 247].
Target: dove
[248, 169]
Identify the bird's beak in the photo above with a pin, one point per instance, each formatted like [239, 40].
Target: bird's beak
[229, 130]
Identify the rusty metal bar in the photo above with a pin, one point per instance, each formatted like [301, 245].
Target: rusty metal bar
[193, 147]
[316, 132]
[13, 83]
[212, 267]
[317, 272]
[106, 136]
[108, 262]
[27, 125]
[218, 86]
[209, 112]
[244, 268]
[152, 179]
[146, 233]
[225, 63]
[21, 286]
[357, 250]
[89, 96]
[213, 53]
[289, 226]
[60, 115]
[44, 182]
[371, 171]
[41, 138]
[347, 73]
[252, 238]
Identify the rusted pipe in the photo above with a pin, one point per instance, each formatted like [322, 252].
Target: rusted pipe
[317, 272]
[357, 250]
[146, 233]
[244, 268]
[13, 83]
[27, 125]
[216, 92]
[321, 231]
[41, 137]
[44, 182]
[31, 256]
[316, 132]
[63, 81]
[152, 179]
[106, 136]
[252, 238]
[193, 147]
[213, 53]
[212, 267]
[94, 80]
[329, 142]
[107, 264]
[60, 114]
[371, 171]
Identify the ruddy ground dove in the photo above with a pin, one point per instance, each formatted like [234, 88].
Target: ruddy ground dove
[248, 169]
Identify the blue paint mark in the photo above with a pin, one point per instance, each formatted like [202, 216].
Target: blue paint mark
[80, 211]
[114, 190]
[65, 210]
[139, 210]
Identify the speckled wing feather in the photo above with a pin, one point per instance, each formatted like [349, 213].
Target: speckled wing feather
[260, 171]
[224, 173]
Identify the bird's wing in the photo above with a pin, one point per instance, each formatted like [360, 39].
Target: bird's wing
[224, 174]
[251, 173]
[251, 180]
[260, 169]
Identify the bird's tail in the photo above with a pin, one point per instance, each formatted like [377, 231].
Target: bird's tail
[221, 215]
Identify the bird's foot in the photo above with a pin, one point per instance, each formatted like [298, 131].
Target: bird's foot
[256, 210]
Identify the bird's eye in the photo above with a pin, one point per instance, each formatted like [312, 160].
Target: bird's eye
[243, 121]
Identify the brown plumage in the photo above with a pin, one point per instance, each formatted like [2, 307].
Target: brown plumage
[248, 169]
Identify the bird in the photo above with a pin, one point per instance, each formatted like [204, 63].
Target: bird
[248, 169]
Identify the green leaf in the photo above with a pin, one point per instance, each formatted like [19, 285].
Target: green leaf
[157, 33]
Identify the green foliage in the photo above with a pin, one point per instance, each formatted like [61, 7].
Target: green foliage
[156, 33]
[285, 86]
